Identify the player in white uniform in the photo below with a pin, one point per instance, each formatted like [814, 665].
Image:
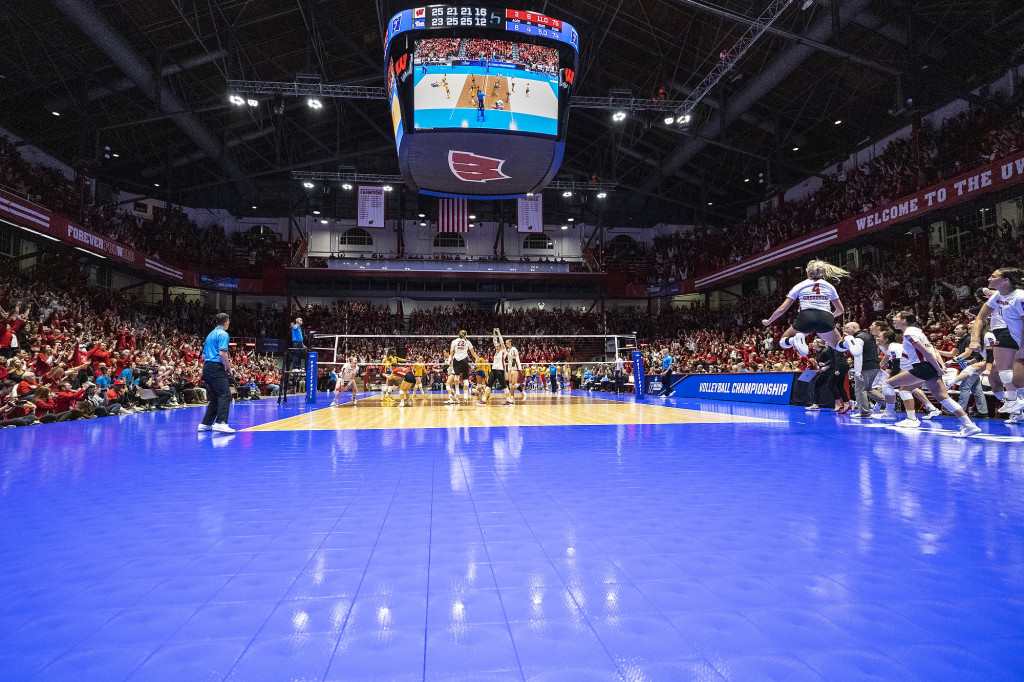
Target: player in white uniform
[461, 349]
[513, 369]
[925, 368]
[816, 314]
[496, 379]
[895, 361]
[346, 381]
[1003, 312]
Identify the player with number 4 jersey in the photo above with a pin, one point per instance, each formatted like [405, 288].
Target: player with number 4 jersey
[816, 316]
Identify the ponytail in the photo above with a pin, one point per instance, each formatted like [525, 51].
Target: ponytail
[819, 269]
[1015, 275]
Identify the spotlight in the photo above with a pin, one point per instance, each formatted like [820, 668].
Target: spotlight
[571, 220]
[529, 194]
[116, 156]
[565, 227]
[314, 103]
[236, 100]
[669, 120]
[388, 188]
[308, 185]
[156, 184]
[602, 195]
[471, 224]
[324, 221]
[423, 215]
[55, 113]
[619, 116]
[346, 186]
[683, 120]
[838, 121]
[472, 217]
[252, 102]
[796, 149]
[566, 193]
[711, 203]
[746, 179]
[423, 223]
[254, 208]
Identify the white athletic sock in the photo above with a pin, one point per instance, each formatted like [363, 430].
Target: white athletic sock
[1011, 394]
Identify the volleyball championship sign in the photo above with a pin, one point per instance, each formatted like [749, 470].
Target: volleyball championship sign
[773, 388]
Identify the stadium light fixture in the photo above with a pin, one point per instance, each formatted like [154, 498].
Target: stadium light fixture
[308, 185]
[471, 224]
[472, 217]
[423, 223]
[316, 212]
[388, 188]
[619, 116]
[314, 103]
[796, 149]
[423, 215]
[237, 100]
[683, 120]
[565, 227]
[571, 220]
[838, 121]
[254, 208]
[116, 156]
[602, 195]
[566, 193]
[669, 120]
[253, 102]
[323, 221]
[55, 113]
[346, 186]
[156, 184]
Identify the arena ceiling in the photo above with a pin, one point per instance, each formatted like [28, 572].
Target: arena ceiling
[148, 79]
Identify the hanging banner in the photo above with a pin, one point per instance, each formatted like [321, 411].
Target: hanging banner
[371, 207]
[531, 214]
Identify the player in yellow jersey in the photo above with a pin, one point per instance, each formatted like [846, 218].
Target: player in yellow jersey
[419, 370]
[483, 368]
[390, 360]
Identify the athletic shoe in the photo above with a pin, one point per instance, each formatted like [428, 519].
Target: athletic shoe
[333, 404]
[968, 431]
[909, 424]
[401, 404]
[508, 402]
[481, 402]
[1016, 418]
[1011, 406]
[202, 427]
[222, 428]
[449, 402]
[800, 343]
[887, 415]
[860, 416]
[812, 408]
[930, 413]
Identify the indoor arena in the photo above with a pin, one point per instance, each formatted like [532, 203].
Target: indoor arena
[660, 340]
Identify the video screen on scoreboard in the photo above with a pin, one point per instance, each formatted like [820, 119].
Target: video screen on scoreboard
[486, 85]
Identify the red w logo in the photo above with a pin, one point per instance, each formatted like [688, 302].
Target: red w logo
[570, 76]
[470, 167]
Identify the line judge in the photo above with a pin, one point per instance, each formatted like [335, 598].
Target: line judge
[216, 368]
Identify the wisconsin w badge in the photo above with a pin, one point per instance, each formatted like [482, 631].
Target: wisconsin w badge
[470, 167]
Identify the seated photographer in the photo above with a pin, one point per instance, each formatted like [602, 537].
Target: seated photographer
[147, 382]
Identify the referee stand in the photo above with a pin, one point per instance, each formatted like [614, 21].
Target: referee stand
[294, 368]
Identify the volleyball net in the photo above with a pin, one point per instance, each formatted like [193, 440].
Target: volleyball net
[537, 352]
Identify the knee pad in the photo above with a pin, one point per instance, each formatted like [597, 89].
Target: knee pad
[950, 405]
[888, 391]
[905, 395]
[1006, 376]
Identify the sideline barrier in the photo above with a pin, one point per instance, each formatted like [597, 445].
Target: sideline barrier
[749, 387]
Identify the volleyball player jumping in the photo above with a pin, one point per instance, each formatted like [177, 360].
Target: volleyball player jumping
[816, 313]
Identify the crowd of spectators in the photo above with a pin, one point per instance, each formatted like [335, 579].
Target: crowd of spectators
[70, 351]
[538, 58]
[969, 139]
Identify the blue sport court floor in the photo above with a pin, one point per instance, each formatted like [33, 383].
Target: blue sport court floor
[559, 540]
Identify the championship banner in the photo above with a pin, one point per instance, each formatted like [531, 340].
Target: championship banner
[747, 387]
[995, 176]
[371, 207]
[531, 214]
[452, 215]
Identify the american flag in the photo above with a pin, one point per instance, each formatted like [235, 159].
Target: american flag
[452, 215]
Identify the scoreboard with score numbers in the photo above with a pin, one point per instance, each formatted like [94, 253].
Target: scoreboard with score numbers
[434, 17]
[479, 98]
